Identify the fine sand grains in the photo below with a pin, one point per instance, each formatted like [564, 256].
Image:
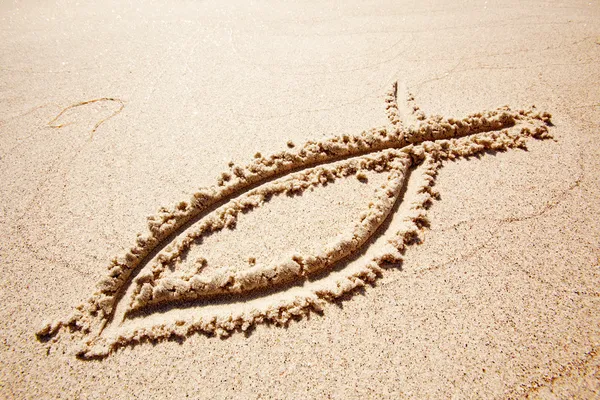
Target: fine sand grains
[411, 140]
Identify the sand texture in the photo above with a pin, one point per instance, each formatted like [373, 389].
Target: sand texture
[300, 200]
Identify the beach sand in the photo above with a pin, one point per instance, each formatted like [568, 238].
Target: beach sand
[358, 201]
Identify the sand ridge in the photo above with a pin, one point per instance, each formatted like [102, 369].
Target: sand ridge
[411, 139]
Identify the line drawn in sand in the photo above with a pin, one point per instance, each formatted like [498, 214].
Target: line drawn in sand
[142, 299]
[53, 122]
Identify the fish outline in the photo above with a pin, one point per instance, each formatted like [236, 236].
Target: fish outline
[425, 140]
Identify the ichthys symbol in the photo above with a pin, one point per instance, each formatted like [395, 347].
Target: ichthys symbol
[132, 302]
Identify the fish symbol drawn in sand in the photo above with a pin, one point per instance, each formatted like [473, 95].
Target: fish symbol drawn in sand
[142, 299]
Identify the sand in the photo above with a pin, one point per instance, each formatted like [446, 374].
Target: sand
[300, 201]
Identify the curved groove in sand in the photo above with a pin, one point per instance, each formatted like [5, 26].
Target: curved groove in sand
[53, 122]
[398, 147]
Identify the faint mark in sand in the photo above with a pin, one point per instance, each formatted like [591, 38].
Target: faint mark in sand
[31, 110]
[143, 296]
[53, 123]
